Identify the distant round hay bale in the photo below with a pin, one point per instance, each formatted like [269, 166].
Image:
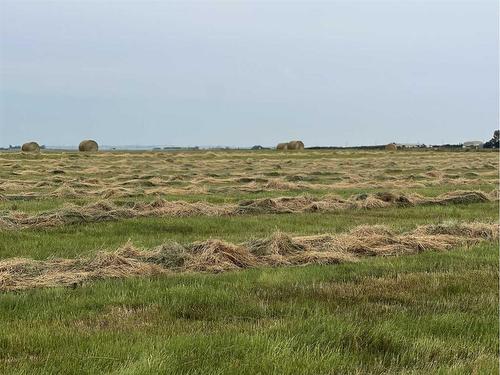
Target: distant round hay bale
[391, 147]
[31, 147]
[88, 146]
[282, 146]
[295, 145]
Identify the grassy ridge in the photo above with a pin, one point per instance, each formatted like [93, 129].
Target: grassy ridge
[432, 312]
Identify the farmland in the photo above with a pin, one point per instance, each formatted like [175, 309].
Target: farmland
[208, 262]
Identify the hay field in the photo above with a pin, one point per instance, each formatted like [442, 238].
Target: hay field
[210, 262]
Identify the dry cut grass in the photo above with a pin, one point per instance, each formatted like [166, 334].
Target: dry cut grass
[107, 210]
[118, 175]
[217, 256]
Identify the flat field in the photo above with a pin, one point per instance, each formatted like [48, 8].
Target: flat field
[249, 262]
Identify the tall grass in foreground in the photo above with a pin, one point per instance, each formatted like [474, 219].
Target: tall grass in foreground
[428, 313]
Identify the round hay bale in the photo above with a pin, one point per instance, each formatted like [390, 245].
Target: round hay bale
[295, 145]
[31, 147]
[282, 146]
[391, 147]
[88, 146]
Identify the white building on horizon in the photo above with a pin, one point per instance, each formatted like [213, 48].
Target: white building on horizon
[473, 144]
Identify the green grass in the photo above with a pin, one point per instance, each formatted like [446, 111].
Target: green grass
[429, 313]
[421, 314]
[33, 206]
[336, 167]
[75, 240]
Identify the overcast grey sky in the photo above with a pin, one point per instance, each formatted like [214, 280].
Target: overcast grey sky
[240, 73]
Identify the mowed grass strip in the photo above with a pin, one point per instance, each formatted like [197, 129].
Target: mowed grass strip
[427, 313]
[231, 176]
[86, 239]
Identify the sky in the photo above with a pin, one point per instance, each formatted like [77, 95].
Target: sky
[242, 73]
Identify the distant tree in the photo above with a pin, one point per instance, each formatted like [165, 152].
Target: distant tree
[493, 142]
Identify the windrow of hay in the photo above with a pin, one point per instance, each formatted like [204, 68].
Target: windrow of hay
[107, 188]
[28, 176]
[217, 256]
[106, 210]
[66, 190]
[359, 201]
